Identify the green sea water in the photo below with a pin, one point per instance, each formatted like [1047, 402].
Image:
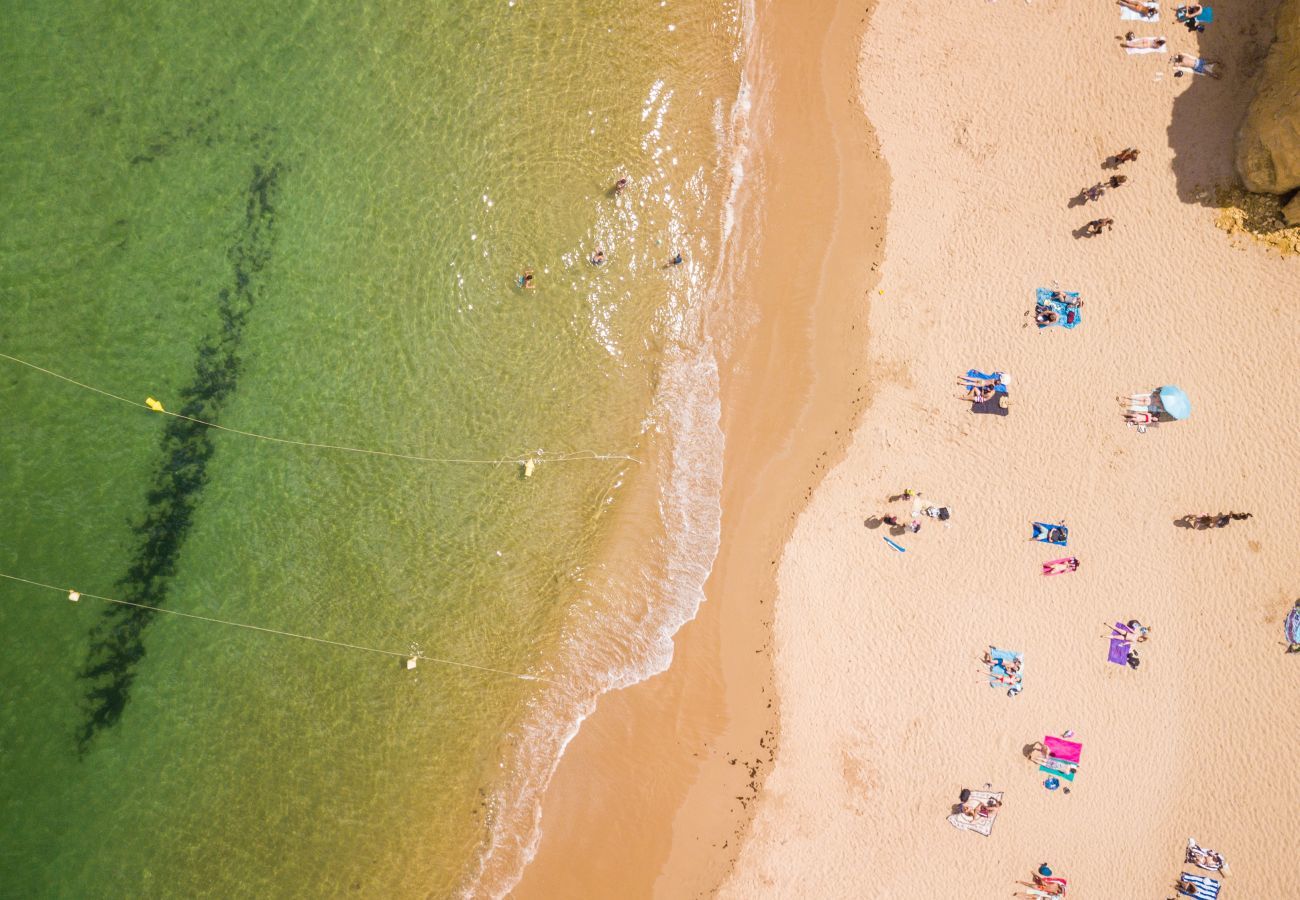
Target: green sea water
[306, 220]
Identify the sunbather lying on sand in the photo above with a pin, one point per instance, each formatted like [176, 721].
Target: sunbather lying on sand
[1144, 399]
[1184, 63]
[1134, 417]
[1132, 42]
[1141, 9]
[1205, 859]
[1063, 297]
[1060, 566]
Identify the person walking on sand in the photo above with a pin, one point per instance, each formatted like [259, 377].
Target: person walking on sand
[1128, 154]
[1097, 226]
[1117, 180]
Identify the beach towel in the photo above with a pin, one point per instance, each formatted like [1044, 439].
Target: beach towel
[1063, 749]
[999, 388]
[1206, 887]
[978, 824]
[1134, 50]
[1118, 651]
[1067, 312]
[1063, 772]
[1051, 534]
[1130, 15]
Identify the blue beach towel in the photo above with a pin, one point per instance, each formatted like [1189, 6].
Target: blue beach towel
[998, 388]
[1049, 534]
[1206, 887]
[1067, 314]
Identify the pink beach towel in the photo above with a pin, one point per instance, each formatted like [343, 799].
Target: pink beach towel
[1063, 749]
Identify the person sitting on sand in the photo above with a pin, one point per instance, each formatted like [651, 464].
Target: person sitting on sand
[1117, 180]
[1187, 15]
[890, 520]
[1128, 154]
[1141, 9]
[1186, 887]
[1044, 316]
[1138, 629]
[1132, 42]
[1184, 63]
[1097, 226]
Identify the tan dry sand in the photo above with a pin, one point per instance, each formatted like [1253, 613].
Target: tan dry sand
[647, 800]
[991, 116]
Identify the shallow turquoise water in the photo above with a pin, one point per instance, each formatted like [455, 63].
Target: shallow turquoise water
[305, 220]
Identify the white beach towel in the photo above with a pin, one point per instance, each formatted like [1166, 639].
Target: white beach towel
[1132, 50]
[1129, 15]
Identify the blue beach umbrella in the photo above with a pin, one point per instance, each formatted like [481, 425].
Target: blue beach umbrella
[1175, 402]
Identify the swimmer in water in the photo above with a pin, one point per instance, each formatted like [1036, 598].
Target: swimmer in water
[526, 280]
[675, 261]
[598, 258]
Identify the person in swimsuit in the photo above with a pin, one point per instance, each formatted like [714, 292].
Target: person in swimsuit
[1128, 154]
[1117, 180]
[598, 258]
[619, 185]
[526, 280]
[1132, 42]
[1097, 226]
[1141, 9]
[1184, 63]
[1044, 316]
[1134, 417]
[675, 261]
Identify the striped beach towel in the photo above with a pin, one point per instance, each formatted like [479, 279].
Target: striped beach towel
[1206, 887]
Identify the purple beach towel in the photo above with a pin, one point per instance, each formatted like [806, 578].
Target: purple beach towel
[1118, 652]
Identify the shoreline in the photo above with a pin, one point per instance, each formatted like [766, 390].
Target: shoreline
[654, 793]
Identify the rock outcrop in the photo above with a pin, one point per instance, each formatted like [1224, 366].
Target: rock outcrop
[1268, 145]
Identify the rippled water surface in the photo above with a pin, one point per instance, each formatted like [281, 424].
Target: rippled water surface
[306, 220]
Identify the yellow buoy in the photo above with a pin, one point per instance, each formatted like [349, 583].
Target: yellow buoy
[529, 466]
[153, 404]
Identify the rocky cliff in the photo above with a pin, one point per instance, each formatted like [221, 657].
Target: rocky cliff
[1268, 145]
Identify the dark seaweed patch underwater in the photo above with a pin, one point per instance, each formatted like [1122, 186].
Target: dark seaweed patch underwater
[117, 640]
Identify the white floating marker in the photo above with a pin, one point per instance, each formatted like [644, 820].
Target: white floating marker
[74, 596]
[529, 466]
[411, 662]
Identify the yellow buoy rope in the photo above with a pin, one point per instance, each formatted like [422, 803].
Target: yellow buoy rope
[415, 653]
[153, 405]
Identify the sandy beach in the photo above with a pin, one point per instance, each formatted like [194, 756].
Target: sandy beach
[991, 117]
